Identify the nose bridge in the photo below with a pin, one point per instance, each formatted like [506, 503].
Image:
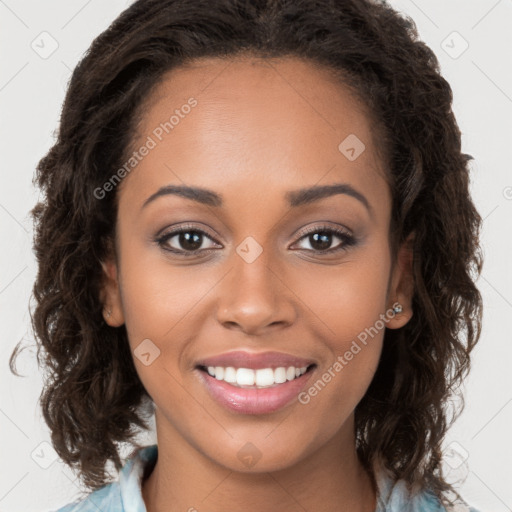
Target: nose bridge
[252, 297]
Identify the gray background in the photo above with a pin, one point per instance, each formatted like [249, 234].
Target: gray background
[32, 84]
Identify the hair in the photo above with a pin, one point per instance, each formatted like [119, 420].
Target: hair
[93, 399]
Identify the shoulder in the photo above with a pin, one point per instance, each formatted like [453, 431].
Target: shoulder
[126, 490]
[435, 504]
[423, 501]
[393, 496]
[108, 498]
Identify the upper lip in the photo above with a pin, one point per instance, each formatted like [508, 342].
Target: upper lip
[255, 360]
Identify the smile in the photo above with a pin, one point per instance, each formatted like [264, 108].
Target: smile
[258, 379]
[254, 383]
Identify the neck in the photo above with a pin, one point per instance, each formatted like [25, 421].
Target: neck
[331, 479]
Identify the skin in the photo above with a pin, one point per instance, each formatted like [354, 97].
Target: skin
[258, 131]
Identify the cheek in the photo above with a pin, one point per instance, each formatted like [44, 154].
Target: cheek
[350, 303]
[349, 297]
[164, 307]
[157, 295]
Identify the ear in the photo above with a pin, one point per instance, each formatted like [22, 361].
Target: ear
[401, 289]
[110, 295]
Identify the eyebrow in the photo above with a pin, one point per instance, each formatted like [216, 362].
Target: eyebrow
[295, 198]
[308, 195]
[200, 195]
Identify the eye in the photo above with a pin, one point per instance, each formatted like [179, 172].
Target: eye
[320, 239]
[189, 240]
[186, 241]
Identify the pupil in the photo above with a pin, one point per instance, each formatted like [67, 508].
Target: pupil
[190, 242]
[320, 240]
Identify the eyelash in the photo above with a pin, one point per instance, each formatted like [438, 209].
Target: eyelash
[347, 239]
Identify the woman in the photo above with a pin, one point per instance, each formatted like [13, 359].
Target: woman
[257, 225]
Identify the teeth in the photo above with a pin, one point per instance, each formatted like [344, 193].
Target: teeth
[244, 377]
[280, 375]
[261, 378]
[265, 377]
[230, 374]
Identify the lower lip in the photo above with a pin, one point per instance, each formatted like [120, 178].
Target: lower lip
[252, 400]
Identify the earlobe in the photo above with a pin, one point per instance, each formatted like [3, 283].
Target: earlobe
[110, 295]
[402, 286]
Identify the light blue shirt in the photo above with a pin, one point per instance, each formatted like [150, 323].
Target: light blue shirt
[125, 494]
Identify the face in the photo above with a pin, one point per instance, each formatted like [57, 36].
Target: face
[278, 267]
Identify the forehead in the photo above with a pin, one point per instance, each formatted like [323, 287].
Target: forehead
[254, 123]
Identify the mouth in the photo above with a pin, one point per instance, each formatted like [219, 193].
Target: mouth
[254, 383]
[261, 378]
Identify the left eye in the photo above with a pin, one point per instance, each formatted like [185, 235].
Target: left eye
[320, 240]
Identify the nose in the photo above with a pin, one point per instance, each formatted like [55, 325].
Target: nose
[254, 298]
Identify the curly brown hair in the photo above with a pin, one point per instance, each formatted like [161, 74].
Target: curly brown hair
[92, 397]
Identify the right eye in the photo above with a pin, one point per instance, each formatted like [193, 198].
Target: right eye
[185, 241]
